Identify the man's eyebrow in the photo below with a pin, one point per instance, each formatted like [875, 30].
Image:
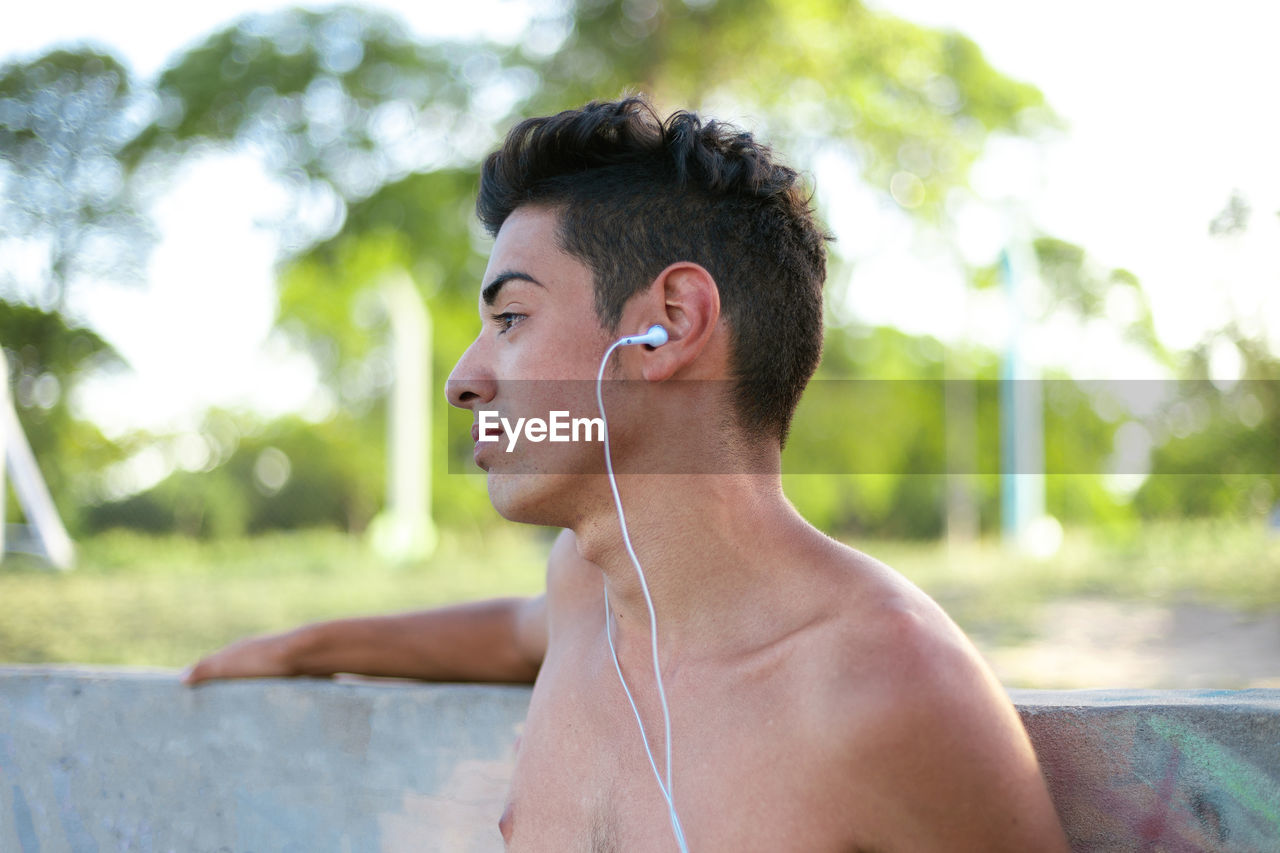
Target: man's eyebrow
[490, 292]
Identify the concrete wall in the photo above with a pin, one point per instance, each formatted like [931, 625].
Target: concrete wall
[1171, 770]
[111, 760]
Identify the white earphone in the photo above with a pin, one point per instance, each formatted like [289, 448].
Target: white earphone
[656, 336]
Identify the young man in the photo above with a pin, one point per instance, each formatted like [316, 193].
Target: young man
[818, 701]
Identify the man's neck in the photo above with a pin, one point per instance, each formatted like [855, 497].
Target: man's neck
[710, 547]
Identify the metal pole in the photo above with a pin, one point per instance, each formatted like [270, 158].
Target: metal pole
[1021, 415]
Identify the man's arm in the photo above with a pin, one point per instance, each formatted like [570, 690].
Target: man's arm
[501, 640]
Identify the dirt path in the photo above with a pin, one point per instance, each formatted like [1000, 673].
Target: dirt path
[1103, 643]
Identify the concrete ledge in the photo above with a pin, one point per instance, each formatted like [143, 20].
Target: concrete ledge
[128, 761]
[1172, 770]
[122, 760]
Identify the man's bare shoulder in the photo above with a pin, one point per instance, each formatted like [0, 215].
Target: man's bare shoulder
[885, 630]
[894, 653]
[930, 747]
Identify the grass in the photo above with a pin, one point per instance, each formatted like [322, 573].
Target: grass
[164, 602]
[993, 592]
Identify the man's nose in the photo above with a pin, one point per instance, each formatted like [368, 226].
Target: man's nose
[470, 384]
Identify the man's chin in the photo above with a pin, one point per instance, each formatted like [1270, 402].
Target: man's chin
[542, 498]
[527, 498]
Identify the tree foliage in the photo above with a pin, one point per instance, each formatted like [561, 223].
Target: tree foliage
[337, 103]
[907, 100]
[288, 473]
[64, 119]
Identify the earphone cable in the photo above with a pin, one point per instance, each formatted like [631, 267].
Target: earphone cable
[653, 622]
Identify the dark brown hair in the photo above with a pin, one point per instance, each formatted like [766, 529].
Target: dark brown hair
[636, 194]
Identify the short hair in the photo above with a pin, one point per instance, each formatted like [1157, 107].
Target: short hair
[636, 194]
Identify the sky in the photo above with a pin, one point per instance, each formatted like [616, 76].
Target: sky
[1166, 115]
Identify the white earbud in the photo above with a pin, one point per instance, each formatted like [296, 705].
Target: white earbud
[655, 337]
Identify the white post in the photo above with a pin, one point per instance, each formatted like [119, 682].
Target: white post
[33, 494]
[405, 530]
[4, 449]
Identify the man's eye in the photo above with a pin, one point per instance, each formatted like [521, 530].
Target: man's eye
[507, 320]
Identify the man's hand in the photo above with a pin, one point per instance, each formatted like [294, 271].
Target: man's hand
[255, 657]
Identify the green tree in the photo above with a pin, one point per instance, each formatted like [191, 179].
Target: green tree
[1217, 440]
[909, 102]
[64, 119]
[337, 103]
[287, 473]
[1217, 444]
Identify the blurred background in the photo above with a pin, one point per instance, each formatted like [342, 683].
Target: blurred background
[238, 258]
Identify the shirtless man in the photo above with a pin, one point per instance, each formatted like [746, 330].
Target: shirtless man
[818, 700]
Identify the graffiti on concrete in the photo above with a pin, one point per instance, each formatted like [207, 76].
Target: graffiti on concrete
[1176, 780]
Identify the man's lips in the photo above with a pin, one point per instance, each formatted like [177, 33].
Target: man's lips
[494, 434]
[477, 447]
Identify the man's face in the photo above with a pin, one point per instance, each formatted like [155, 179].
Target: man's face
[538, 331]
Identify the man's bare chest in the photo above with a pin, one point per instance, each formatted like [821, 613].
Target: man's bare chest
[746, 772]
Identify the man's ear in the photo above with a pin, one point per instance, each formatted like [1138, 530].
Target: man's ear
[684, 298]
